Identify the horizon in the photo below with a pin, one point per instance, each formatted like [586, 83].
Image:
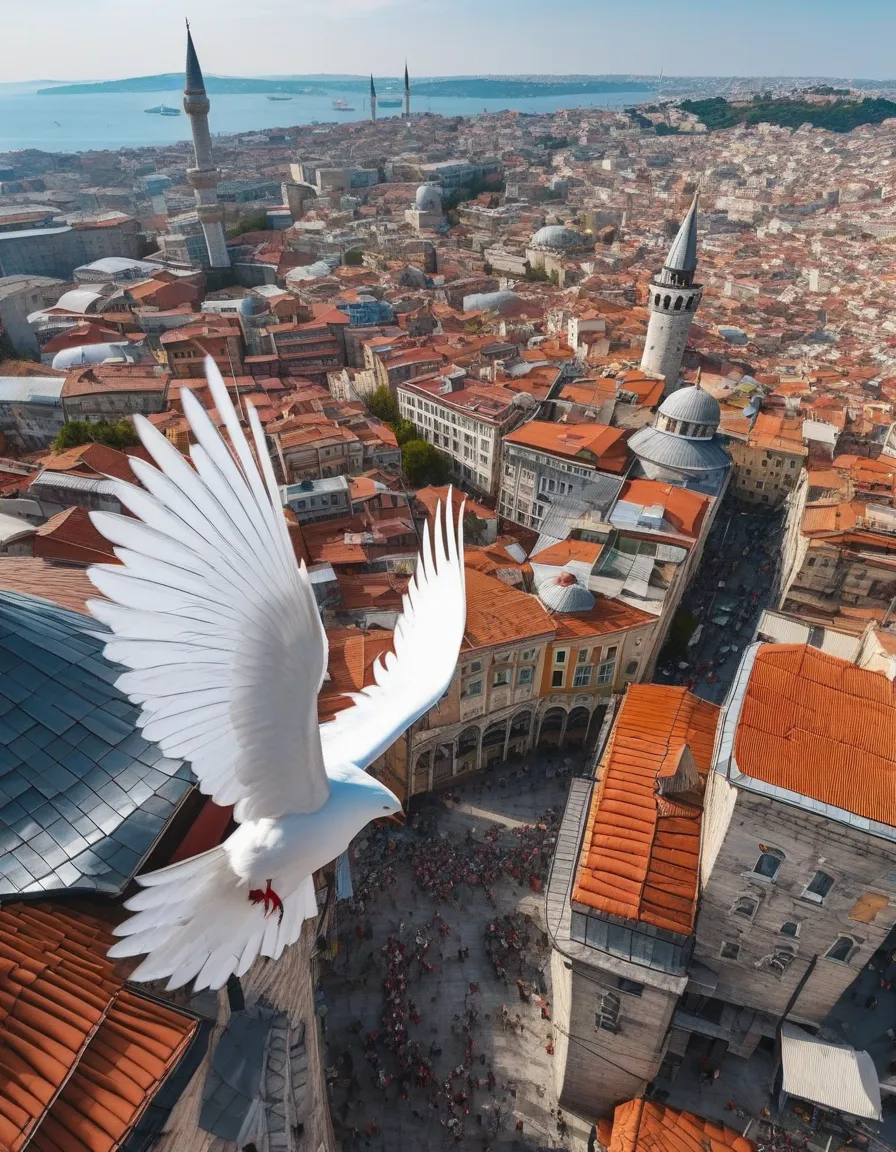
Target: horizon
[793, 39]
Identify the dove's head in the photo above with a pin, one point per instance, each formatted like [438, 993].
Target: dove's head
[368, 799]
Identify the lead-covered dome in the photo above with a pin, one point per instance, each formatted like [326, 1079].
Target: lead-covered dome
[428, 198]
[692, 404]
[556, 236]
[563, 593]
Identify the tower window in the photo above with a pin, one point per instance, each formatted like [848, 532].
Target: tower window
[667, 301]
[656, 300]
[688, 303]
[678, 302]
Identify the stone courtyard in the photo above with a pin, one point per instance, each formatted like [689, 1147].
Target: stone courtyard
[438, 1003]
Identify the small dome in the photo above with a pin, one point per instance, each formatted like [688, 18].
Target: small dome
[316, 271]
[693, 404]
[563, 593]
[556, 236]
[428, 198]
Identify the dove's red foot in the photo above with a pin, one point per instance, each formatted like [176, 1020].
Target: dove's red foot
[270, 899]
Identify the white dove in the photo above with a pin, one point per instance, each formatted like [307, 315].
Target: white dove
[220, 630]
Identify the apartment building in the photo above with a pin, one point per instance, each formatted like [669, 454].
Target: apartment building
[309, 350]
[542, 460]
[186, 348]
[466, 421]
[31, 412]
[766, 464]
[110, 391]
[622, 898]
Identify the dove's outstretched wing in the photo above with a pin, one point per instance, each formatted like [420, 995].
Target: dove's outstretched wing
[427, 641]
[215, 619]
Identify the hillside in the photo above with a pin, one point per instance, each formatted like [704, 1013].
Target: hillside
[838, 116]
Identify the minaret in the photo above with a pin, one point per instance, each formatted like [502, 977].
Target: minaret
[372, 100]
[407, 93]
[673, 301]
[203, 179]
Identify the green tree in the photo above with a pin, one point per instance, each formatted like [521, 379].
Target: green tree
[257, 222]
[537, 276]
[383, 406]
[474, 528]
[114, 434]
[354, 258]
[404, 431]
[423, 464]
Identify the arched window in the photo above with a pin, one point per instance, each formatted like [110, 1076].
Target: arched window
[745, 906]
[667, 300]
[781, 959]
[790, 928]
[678, 302]
[656, 300]
[818, 887]
[769, 862]
[688, 303]
[842, 950]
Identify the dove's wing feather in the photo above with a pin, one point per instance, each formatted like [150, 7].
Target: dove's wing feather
[213, 618]
[427, 640]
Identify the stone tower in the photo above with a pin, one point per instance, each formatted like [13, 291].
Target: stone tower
[203, 179]
[407, 93]
[372, 100]
[673, 301]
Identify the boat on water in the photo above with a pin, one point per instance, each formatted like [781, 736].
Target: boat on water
[279, 97]
[342, 106]
[163, 110]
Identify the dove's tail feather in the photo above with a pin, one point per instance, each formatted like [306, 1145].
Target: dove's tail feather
[194, 921]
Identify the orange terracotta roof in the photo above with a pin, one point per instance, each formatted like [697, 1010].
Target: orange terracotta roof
[70, 536]
[499, 614]
[606, 616]
[599, 443]
[81, 1056]
[565, 550]
[682, 508]
[67, 587]
[640, 852]
[840, 517]
[644, 1126]
[353, 652]
[821, 727]
[95, 459]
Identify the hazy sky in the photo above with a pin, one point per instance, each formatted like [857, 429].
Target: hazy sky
[100, 39]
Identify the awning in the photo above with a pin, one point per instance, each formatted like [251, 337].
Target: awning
[832, 1075]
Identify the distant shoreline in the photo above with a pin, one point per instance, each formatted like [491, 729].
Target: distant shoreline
[509, 88]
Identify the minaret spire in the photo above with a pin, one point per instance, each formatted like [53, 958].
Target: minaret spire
[372, 100]
[407, 93]
[203, 178]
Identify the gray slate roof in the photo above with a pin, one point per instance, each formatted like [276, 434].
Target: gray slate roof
[683, 253]
[83, 797]
[671, 451]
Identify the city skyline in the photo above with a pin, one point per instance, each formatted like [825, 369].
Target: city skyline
[693, 38]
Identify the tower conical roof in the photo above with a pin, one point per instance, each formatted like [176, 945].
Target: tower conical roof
[194, 80]
[407, 82]
[372, 89]
[683, 253]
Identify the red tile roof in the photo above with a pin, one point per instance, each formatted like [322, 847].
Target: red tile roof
[683, 509]
[607, 615]
[498, 614]
[81, 1056]
[820, 727]
[644, 1126]
[641, 850]
[70, 536]
[598, 444]
[67, 587]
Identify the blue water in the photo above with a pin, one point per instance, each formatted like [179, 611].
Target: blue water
[80, 123]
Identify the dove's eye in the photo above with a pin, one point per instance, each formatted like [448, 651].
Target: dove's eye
[385, 807]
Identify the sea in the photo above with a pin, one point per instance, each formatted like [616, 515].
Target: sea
[119, 120]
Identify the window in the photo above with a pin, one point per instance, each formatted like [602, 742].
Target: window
[474, 666]
[758, 485]
[745, 906]
[605, 672]
[729, 950]
[582, 678]
[474, 688]
[582, 657]
[632, 987]
[789, 928]
[768, 863]
[560, 656]
[842, 950]
[631, 669]
[608, 1016]
[529, 654]
[610, 653]
[557, 678]
[811, 562]
[525, 676]
[501, 678]
[792, 464]
[818, 887]
[780, 960]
